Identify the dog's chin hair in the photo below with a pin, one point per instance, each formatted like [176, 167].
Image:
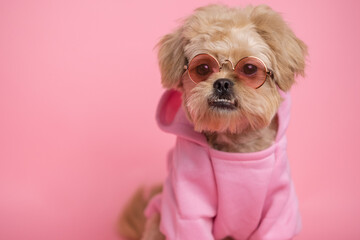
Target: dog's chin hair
[223, 121]
[216, 121]
[206, 119]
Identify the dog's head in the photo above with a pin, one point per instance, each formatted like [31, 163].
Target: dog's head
[228, 63]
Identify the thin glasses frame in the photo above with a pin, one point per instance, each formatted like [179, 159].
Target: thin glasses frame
[268, 72]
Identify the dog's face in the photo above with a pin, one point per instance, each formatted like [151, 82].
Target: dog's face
[222, 101]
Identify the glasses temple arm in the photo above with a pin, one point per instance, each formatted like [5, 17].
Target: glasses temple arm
[270, 73]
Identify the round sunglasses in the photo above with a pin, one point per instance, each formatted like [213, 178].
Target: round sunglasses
[251, 70]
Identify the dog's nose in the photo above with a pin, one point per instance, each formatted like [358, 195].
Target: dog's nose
[223, 86]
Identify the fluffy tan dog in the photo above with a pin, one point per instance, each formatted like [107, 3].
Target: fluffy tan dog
[229, 64]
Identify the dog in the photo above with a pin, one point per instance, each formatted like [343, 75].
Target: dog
[228, 72]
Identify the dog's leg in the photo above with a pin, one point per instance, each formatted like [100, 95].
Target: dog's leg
[132, 221]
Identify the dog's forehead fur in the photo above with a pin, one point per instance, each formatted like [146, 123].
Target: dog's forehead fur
[233, 45]
[225, 33]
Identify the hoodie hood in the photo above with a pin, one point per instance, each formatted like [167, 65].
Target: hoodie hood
[171, 117]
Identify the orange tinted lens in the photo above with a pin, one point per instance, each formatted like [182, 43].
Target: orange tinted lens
[251, 71]
[201, 67]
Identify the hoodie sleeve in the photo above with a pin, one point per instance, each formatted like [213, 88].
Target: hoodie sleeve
[189, 196]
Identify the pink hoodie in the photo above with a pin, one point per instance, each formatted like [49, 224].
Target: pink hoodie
[211, 194]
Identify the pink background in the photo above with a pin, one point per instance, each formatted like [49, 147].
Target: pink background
[79, 84]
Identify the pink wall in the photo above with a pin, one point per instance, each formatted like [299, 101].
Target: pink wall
[79, 84]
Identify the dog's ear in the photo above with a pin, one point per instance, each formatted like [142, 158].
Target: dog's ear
[172, 59]
[288, 51]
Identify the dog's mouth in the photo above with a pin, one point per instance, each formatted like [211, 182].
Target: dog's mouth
[223, 103]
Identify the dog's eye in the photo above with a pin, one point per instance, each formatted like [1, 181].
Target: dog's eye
[249, 69]
[203, 69]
